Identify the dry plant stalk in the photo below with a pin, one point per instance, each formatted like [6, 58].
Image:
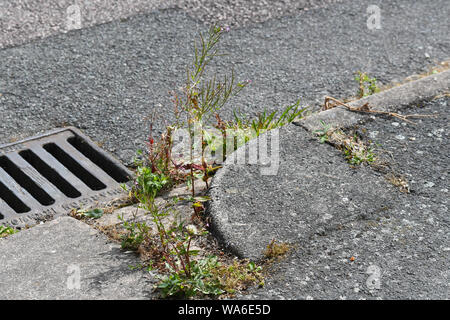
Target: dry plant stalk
[276, 250]
[367, 109]
[445, 94]
[399, 181]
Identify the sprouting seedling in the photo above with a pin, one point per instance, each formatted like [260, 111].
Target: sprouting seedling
[323, 133]
[367, 85]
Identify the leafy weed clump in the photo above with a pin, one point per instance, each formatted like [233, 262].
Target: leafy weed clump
[355, 150]
[211, 277]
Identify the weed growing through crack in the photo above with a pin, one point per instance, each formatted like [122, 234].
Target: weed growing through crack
[197, 103]
[265, 121]
[172, 242]
[276, 250]
[238, 275]
[212, 278]
[94, 213]
[323, 133]
[186, 276]
[82, 214]
[199, 281]
[367, 85]
[6, 231]
[355, 150]
[136, 234]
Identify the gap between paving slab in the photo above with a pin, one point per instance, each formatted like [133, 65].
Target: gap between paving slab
[181, 211]
[315, 189]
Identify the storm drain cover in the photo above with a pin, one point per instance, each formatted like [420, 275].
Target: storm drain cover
[50, 174]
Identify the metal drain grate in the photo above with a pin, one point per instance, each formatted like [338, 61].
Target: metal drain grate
[52, 173]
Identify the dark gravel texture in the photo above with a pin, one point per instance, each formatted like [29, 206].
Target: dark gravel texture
[331, 213]
[247, 12]
[107, 79]
[25, 20]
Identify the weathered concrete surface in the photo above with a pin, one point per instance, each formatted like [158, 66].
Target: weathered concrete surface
[406, 246]
[356, 235]
[314, 190]
[42, 263]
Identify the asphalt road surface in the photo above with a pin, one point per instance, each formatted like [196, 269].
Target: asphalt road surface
[107, 78]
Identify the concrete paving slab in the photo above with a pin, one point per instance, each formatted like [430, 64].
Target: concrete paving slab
[403, 251]
[355, 234]
[67, 259]
[314, 190]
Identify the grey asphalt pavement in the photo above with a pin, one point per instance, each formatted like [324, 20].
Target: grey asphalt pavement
[107, 79]
[24, 20]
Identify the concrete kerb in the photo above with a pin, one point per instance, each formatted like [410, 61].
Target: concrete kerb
[222, 225]
[392, 100]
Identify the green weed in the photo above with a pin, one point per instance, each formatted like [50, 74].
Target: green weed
[136, 233]
[355, 150]
[85, 213]
[94, 213]
[367, 85]
[265, 121]
[323, 133]
[210, 277]
[200, 280]
[6, 231]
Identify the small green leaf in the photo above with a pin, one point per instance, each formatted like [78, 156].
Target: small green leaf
[95, 213]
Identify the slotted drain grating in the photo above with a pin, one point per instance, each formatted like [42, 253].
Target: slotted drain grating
[52, 173]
